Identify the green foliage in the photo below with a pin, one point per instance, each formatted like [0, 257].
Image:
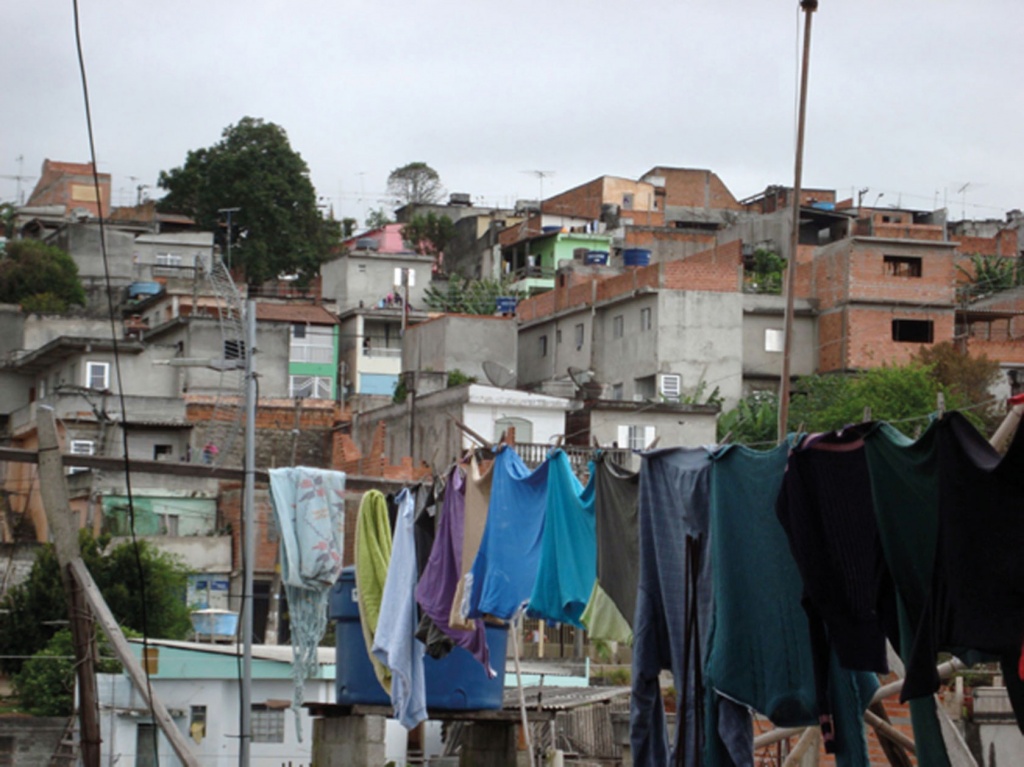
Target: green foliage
[429, 234]
[754, 420]
[901, 394]
[348, 226]
[968, 379]
[463, 296]
[35, 605]
[764, 273]
[457, 378]
[415, 182]
[401, 391]
[990, 274]
[40, 277]
[46, 683]
[377, 218]
[278, 228]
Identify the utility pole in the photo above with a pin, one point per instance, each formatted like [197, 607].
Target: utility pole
[249, 537]
[228, 211]
[809, 7]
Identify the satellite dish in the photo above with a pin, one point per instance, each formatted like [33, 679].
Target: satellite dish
[585, 383]
[499, 375]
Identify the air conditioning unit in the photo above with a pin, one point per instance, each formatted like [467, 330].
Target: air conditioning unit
[638, 397]
[670, 385]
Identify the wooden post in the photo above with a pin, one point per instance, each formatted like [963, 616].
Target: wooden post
[54, 492]
[136, 673]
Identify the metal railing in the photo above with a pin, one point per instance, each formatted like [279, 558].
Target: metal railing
[534, 453]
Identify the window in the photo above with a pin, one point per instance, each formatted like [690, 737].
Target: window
[267, 724]
[234, 349]
[627, 201]
[361, 268]
[913, 331]
[636, 437]
[41, 388]
[309, 387]
[670, 385]
[617, 391]
[145, 745]
[169, 524]
[312, 343]
[644, 388]
[97, 375]
[197, 723]
[168, 259]
[543, 346]
[645, 319]
[618, 326]
[163, 452]
[558, 336]
[774, 340]
[578, 335]
[902, 266]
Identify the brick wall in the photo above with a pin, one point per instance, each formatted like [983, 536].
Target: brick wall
[869, 280]
[830, 340]
[870, 334]
[584, 200]
[719, 269]
[691, 187]
[828, 280]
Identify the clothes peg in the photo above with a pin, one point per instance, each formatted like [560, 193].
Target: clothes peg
[941, 402]
[867, 413]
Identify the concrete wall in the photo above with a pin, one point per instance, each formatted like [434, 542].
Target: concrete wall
[763, 315]
[82, 243]
[364, 278]
[32, 740]
[460, 342]
[676, 427]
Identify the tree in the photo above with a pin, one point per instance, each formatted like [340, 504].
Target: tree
[429, 234]
[415, 183]
[280, 229]
[36, 605]
[904, 395]
[40, 277]
[968, 378]
[462, 296]
[377, 218]
[46, 683]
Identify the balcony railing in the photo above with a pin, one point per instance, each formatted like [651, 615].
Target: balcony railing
[534, 453]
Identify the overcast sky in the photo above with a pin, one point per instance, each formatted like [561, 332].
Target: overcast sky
[919, 100]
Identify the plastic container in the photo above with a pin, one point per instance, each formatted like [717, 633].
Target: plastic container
[137, 289]
[212, 623]
[636, 257]
[457, 681]
[599, 257]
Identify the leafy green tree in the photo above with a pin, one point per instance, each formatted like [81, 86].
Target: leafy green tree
[969, 379]
[464, 296]
[348, 226]
[429, 234]
[46, 683]
[280, 229]
[40, 277]
[764, 273]
[414, 183]
[901, 394]
[377, 218]
[36, 606]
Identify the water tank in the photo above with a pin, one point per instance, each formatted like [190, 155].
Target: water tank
[636, 257]
[137, 289]
[367, 243]
[505, 304]
[596, 257]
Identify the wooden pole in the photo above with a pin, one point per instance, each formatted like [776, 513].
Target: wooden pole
[809, 7]
[64, 528]
[134, 669]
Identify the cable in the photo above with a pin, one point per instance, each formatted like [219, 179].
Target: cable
[117, 369]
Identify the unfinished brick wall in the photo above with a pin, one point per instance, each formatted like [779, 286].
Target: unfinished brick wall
[696, 188]
[830, 340]
[584, 200]
[718, 269]
[871, 280]
[870, 342]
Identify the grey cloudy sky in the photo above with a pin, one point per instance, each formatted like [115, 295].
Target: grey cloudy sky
[914, 99]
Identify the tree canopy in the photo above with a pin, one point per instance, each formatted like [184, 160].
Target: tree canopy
[40, 277]
[415, 182]
[429, 234]
[278, 228]
[36, 605]
[901, 394]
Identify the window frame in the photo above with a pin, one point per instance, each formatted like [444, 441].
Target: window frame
[618, 326]
[105, 367]
[267, 723]
[645, 318]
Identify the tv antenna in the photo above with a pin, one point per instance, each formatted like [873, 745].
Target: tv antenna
[499, 375]
[541, 175]
[19, 195]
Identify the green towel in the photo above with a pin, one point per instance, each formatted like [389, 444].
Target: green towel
[603, 619]
[373, 555]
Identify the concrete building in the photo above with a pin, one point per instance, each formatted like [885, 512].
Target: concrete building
[370, 271]
[450, 342]
[198, 684]
[370, 351]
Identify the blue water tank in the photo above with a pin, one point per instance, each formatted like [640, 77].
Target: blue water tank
[824, 205]
[505, 304]
[596, 257]
[636, 257]
[456, 681]
[137, 289]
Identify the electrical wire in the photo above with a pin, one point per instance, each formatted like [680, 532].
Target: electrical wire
[117, 369]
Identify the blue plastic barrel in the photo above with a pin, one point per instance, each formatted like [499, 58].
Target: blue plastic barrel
[456, 681]
[636, 257]
[596, 257]
[144, 289]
